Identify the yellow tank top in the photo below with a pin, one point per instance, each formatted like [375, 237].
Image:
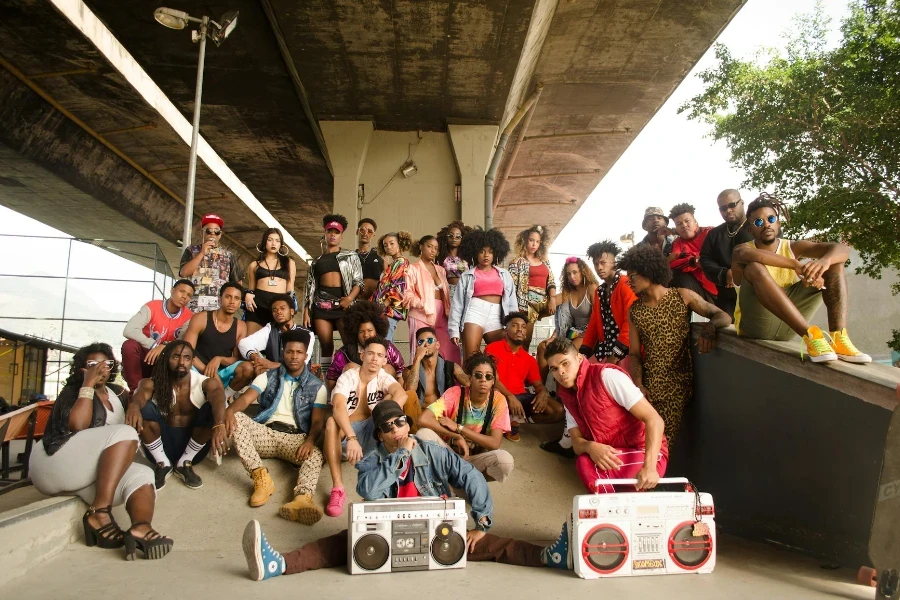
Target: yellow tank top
[782, 276]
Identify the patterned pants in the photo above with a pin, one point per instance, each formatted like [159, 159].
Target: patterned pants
[254, 441]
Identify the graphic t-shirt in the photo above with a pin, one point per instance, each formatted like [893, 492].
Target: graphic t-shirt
[348, 384]
[217, 267]
[472, 419]
[407, 481]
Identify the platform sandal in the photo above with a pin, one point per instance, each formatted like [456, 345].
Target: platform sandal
[152, 545]
[105, 536]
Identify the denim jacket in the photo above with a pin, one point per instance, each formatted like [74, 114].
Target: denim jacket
[465, 290]
[437, 468]
[304, 397]
[351, 274]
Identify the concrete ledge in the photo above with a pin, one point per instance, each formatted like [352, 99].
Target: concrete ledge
[32, 534]
[792, 451]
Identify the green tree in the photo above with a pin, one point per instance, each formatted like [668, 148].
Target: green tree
[820, 127]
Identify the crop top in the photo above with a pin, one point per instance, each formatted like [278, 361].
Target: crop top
[538, 276]
[262, 272]
[327, 263]
[487, 283]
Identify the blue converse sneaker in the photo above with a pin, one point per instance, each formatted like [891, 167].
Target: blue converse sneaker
[559, 554]
[263, 561]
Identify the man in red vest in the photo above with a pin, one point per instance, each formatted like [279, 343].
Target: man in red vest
[615, 431]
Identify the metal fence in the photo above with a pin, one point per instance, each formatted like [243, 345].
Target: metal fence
[76, 291]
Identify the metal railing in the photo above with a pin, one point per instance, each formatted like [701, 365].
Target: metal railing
[76, 291]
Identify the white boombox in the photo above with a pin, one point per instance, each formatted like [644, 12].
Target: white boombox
[643, 533]
[406, 534]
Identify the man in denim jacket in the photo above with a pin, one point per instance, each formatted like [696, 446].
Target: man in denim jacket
[402, 467]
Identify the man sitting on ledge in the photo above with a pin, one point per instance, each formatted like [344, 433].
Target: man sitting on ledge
[616, 432]
[779, 293]
[403, 467]
[283, 428]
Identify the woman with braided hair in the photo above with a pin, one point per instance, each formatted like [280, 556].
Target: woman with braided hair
[485, 293]
[392, 285]
[531, 274]
[449, 240]
[88, 450]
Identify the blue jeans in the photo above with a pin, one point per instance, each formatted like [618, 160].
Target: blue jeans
[392, 325]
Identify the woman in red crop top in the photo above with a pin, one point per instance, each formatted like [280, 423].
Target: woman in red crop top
[270, 274]
[535, 285]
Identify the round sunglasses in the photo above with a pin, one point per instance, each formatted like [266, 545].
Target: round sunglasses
[759, 222]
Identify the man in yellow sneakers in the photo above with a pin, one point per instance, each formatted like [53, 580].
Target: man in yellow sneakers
[283, 428]
[779, 293]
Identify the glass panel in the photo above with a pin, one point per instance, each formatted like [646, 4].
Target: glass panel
[31, 297]
[48, 256]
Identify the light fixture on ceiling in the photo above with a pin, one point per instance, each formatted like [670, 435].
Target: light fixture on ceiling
[224, 27]
[171, 18]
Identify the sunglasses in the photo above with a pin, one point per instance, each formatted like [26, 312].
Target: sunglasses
[387, 426]
[94, 363]
[454, 236]
[486, 376]
[366, 231]
[428, 340]
[760, 222]
[212, 231]
[729, 206]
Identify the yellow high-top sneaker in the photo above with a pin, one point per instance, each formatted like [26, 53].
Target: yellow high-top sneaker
[845, 350]
[817, 347]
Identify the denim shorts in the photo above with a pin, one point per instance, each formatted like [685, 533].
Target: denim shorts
[484, 314]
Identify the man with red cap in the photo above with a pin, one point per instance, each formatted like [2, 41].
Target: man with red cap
[209, 266]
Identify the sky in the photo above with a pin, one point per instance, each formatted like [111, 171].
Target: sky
[672, 152]
[674, 155]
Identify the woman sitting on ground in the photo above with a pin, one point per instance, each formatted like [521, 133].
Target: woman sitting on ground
[362, 321]
[485, 293]
[531, 273]
[579, 288]
[89, 451]
[392, 285]
[271, 274]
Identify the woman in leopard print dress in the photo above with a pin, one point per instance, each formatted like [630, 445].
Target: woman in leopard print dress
[660, 332]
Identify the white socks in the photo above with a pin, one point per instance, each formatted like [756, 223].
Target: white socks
[566, 440]
[155, 448]
[190, 452]
[229, 394]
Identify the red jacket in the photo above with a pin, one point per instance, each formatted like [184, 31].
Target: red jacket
[621, 300]
[691, 250]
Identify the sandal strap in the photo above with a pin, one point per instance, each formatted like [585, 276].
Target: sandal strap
[151, 534]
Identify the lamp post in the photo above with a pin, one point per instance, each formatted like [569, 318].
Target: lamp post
[178, 19]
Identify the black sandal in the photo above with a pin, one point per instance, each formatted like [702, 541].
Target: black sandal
[106, 536]
[153, 545]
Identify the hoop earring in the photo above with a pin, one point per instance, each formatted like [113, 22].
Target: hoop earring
[286, 250]
[257, 248]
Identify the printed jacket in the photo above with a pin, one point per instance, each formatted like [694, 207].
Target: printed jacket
[518, 270]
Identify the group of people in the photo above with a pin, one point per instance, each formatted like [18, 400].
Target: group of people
[617, 372]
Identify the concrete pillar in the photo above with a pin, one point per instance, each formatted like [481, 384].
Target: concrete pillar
[473, 147]
[348, 144]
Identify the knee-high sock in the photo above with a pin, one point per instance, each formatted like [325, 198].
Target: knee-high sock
[156, 450]
[190, 452]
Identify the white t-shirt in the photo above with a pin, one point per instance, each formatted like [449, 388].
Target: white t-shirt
[620, 387]
[116, 416]
[284, 412]
[376, 389]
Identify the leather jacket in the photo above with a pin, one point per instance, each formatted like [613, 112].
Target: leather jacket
[351, 275]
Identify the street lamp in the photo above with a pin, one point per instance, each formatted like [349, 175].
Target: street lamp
[217, 32]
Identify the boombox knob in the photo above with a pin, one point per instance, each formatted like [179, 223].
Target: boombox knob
[444, 531]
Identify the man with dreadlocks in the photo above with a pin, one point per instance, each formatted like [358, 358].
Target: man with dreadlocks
[176, 412]
[779, 293]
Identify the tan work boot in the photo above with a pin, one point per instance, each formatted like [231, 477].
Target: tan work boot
[302, 509]
[263, 487]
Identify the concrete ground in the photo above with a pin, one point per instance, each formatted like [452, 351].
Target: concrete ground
[207, 561]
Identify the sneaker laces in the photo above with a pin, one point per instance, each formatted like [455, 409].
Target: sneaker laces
[820, 345]
[335, 496]
[844, 339]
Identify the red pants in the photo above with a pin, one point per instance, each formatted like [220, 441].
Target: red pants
[133, 366]
[632, 462]
[332, 552]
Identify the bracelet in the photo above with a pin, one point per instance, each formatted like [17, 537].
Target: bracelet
[86, 392]
[218, 425]
[352, 438]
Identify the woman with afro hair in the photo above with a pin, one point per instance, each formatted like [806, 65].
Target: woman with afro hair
[333, 282]
[428, 298]
[530, 271]
[659, 327]
[485, 292]
[363, 320]
[449, 240]
[392, 284]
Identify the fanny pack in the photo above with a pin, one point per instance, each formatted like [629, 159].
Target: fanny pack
[282, 427]
[574, 333]
[326, 301]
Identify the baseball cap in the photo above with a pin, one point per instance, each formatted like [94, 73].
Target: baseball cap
[212, 218]
[385, 411]
[334, 225]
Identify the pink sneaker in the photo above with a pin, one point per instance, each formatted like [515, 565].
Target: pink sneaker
[336, 503]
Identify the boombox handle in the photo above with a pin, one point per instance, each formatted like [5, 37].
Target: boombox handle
[600, 482]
